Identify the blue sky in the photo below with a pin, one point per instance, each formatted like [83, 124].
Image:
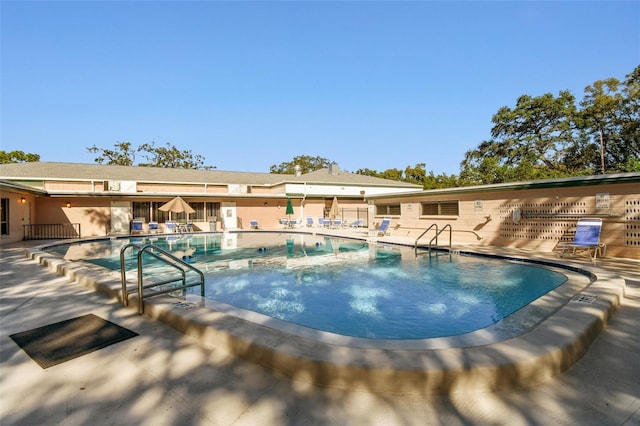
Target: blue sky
[367, 84]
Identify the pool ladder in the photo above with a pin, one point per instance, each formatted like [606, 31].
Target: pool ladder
[164, 256]
[435, 237]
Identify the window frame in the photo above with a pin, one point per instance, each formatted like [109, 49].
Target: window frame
[390, 209]
[441, 212]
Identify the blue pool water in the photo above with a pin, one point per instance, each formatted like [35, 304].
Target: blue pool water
[347, 286]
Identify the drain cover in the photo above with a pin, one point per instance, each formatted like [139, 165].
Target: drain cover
[185, 305]
[585, 298]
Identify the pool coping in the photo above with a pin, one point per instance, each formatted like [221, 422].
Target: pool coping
[530, 358]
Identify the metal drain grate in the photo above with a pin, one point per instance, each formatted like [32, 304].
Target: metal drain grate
[185, 305]
[585, 298]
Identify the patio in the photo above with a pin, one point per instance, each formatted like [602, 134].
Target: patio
[164, 377]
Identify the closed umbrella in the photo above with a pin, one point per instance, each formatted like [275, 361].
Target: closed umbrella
[289, 210]
[177, 205]
[335, 209]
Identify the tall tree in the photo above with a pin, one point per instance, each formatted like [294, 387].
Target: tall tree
[305, 163]
[601, 106]
[529, 141]
[18, 157]
[630, 117]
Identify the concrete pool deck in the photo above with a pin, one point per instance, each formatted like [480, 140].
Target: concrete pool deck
[165, 377]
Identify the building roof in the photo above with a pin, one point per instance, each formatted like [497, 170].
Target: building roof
[80, 171]
[534, 184]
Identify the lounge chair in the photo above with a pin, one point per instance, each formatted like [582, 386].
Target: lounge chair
[309, 222]
[153, 227]
[324, 222]
[171, 226]
[136, 226]
[284, 222]
[587, 239]
[356, 223]
[336, 223]
[383, 228]
[254, 224]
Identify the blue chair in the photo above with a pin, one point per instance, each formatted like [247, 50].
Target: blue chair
[254, 224]
[324, 222]
[383, 229]
[309, 222]
[136, 226]
[337, 223]
[153, 227]
[587, 238]
[356, 223]
[171, 226]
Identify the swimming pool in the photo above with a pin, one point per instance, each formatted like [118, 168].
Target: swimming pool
[344, 286]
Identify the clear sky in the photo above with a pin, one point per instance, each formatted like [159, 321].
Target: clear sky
[367, 84]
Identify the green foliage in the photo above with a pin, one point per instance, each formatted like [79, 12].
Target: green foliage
[18, 157]
[167, 156]
[171, 157]
[548, 136]
[122, 154]
[305, 163]
[416, 174]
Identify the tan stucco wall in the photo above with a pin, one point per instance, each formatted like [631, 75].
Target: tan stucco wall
[93, 214]
[19, 214]
[549, 216]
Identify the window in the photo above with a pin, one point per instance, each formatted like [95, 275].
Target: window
[440, 208]
[142, 210]
[388, 209]
[4, 216]
[151, 211]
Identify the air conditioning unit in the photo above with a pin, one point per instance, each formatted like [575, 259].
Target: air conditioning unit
[238, 189]
[112, 185]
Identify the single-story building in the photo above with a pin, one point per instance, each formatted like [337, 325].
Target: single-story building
[40, 200]
[47, 199]
[536, 214]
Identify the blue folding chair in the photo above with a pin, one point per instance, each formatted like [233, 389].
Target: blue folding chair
[587, 238]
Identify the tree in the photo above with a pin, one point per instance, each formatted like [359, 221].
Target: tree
[538, 129]
[305, 163]
[599, 118]
[18, 157]
[123, 154]
[171, 157]
[630, 122]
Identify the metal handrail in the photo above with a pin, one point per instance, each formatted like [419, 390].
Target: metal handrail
[440, 232]
[163, 256]
[415, 244]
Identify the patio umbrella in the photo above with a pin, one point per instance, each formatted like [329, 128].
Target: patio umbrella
[335, 209]
[289, 210]
[177, 205]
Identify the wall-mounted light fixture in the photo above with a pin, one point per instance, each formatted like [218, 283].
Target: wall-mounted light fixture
[23, 200]
[68, 204]
[265, 204]
[278, 204]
